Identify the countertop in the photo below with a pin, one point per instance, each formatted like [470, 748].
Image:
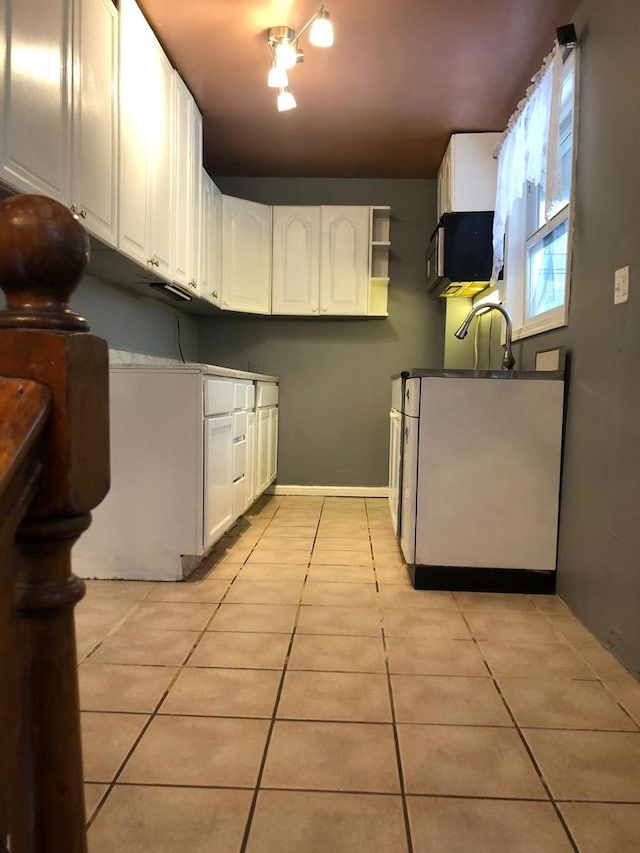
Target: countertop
[445, 373]
[123, 360]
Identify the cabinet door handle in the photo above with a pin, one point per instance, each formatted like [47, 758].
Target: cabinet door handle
[314, 310]
[83, 213]
[324, 310]
[154, 262]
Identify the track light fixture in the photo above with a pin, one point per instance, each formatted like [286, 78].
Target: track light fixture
[285, 53]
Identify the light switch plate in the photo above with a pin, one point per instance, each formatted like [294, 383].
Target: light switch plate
[621, 286]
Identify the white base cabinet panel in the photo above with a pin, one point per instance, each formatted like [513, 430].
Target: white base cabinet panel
[218, 477]
[482, 473]
[180, 467]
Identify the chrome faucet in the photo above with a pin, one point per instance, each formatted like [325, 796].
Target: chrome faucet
[508, 360]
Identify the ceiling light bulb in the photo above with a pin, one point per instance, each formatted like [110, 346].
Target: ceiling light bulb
[277, 78]
[321, 32]
[285, 55]
[286, 101]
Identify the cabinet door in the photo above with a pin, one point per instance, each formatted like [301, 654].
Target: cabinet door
[295, 282]
[94, 160]
[409, 489]
[215, 236]
[252, 488]
[35, 82]
[344, 272]
[395, 422]
[444, 183]
[160, 164]
[205, 260]
[137, 109]
[218, 480]
[262, 445]
[272, 463]
[196, 202]
[246, 260]
[183, 153]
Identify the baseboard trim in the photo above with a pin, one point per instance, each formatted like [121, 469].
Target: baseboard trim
[331, 491]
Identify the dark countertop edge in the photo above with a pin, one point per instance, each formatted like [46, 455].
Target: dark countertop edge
[444, 373]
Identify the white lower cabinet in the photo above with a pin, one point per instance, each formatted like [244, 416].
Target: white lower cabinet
[252, 478]
[481, 472]
[266, 434]
[395, 443]
[218, 471]
[183, 468]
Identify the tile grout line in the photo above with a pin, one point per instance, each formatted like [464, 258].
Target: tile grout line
[263, 762]
[394, 724]
[154, 712]
[525, 744]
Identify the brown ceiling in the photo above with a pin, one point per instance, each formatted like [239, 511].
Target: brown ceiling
[402, 76]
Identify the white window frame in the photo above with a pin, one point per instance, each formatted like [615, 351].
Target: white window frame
[514, 286]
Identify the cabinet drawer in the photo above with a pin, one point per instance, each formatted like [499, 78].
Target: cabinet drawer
[243, 395]
[239, 424]
[239, 465]
[218, 396]
[267, 394]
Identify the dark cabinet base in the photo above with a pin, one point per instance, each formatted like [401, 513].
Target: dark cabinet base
[466, 579]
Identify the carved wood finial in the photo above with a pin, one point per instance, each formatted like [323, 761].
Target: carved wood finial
[43, 253]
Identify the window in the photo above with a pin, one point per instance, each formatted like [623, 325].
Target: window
[537, 254]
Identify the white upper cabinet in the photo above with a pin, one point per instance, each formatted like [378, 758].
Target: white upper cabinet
[94, 167]
[344, 272]
[35, 87]
[215, 237]
[295, 283]
[59, 105]
[146, 144]
[205, 274]
[188, 189]
[196, 206]
[246, 259]
[160, 173]
[468, 173]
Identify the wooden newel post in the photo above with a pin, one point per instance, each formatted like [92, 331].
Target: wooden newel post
[43, 253]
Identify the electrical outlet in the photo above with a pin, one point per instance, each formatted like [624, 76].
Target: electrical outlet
[621, 286]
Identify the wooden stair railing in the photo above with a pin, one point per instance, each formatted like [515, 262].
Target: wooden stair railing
[54, 469]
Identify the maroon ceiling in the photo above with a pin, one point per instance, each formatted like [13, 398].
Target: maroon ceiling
[382, 102]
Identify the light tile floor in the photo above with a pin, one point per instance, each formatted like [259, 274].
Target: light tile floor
[298, 696]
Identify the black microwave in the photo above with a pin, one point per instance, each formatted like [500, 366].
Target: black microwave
[460, 255]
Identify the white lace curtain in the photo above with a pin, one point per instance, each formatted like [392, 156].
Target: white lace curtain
[530, 151]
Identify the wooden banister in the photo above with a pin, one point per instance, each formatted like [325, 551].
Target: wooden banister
[47, 489]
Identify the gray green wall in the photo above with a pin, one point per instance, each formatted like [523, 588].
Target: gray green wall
[599, 542]
[133, 322]
[335, 373]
